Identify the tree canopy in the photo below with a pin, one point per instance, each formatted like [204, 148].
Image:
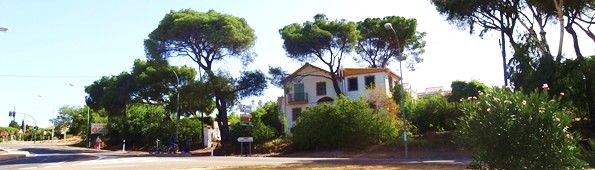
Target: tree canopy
[462, 90]
[207, 38]
[204, 37]
[150, 82]
[378, 47]
[525, 24]
[321, 39]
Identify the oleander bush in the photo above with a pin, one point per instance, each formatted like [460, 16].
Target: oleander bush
[506, 129]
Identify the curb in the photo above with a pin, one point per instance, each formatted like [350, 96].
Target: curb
[11, 154]
[7, 157]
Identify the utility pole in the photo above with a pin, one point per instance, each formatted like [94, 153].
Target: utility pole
[88, 129]
[177, 107]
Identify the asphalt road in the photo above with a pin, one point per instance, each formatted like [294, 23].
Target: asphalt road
[47, 156]
[44, 156]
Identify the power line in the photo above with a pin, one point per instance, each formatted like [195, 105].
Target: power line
[44, 76]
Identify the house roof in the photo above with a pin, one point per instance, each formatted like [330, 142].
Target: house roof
[295, 73]
[346, 71]
[358, 71]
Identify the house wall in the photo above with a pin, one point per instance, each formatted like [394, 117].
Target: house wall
[381, 81]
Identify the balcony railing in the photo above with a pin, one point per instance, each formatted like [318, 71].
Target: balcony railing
[298, 97]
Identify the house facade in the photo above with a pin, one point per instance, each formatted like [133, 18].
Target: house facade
[311, 85]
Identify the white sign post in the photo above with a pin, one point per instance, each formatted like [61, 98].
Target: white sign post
[243, 140]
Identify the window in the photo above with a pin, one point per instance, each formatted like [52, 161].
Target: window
[295, 112]
[321, 88]
[391, 83]
[369, 81]
[352, 84]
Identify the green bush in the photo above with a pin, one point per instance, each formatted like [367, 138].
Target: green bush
[259, 130]
[434, 113]
[510, 130]
[345, 123]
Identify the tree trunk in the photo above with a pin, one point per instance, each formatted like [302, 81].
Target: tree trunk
[336, 85]
[590, 98]
[584, 69]
[577, 50]
[222, 118]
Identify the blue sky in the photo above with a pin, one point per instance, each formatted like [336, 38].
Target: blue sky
[53, 44]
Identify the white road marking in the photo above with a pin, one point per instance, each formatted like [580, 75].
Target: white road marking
[113, 161]
[110, 166]
[53, 164]
[29, 168]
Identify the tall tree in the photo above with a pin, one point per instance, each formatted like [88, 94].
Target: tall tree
[377, 46]
[14, 124]
[324, 40]
[524, 23]
[207, 38]
[150, 82]
[111, 93]
[463, 90]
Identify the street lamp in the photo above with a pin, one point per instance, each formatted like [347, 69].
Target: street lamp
[389, 26]
[88, 138]
[4, 29]
[177, 106]
[53, 121]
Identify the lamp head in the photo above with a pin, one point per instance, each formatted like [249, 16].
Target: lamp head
[388, 26]
[4, 29]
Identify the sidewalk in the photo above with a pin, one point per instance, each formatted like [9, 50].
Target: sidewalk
[10, 154]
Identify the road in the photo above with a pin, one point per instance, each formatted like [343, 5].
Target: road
[44, 156]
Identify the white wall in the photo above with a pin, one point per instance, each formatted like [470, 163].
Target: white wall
[381, 81]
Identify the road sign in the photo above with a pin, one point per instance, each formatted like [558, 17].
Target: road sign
[245, 139]
[4, 133]
[21, 131]
[98, 128]
[245, 120]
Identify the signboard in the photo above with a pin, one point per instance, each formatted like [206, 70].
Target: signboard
[98, 128]
[4, 134]
[245, 120]
[245, 139]
[245, 108]
[21, 131]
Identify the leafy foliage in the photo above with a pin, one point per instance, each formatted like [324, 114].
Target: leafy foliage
[462, 89]
[511, 130]
[206, 38]
[396, 95]
[434, 113]
[378, 46]
[343, 124]
[273, 117]
[276, 76]
[322, 40]
[13, 124]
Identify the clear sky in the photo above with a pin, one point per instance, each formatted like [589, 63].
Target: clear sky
[55, 48]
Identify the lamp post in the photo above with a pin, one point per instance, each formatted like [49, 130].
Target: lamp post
[389, 26]
[177, 106]
[35, 122]
[88, 138]
[53, 122]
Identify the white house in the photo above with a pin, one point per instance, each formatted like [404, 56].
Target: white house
[311, 85]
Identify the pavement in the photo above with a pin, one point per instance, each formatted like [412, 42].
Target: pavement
[9, 154]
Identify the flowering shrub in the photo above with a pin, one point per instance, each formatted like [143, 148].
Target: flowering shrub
[510, 130]
[346, 123]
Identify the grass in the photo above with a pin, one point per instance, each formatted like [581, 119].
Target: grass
[349, 166]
